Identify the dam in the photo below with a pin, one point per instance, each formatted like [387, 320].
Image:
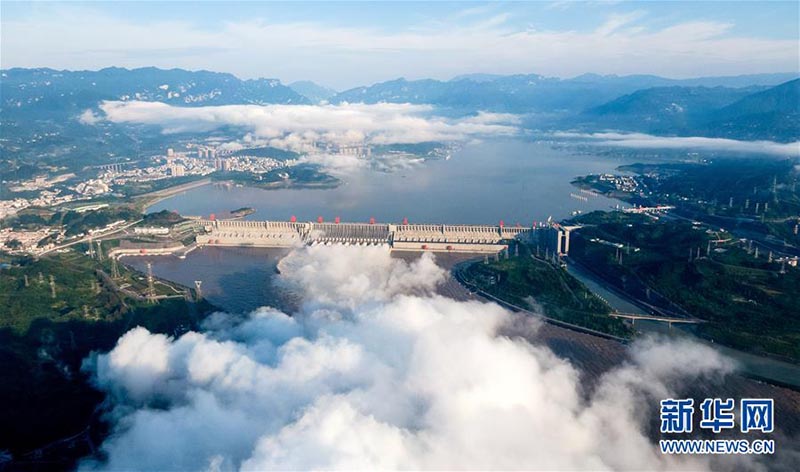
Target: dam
[409, 237]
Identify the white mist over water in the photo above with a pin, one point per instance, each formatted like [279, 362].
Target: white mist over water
[689, 143]
[377, 372]
[299, 127]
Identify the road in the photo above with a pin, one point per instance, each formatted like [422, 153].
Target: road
[96, 236]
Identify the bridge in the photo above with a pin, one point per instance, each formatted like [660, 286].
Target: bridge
[409, 237]
[664, 319]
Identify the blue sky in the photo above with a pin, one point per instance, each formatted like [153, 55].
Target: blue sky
[347, 44]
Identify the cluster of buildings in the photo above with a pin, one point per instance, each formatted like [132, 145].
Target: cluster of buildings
[623, 183]
[175, 165]
[46, 198]
[26, 241]
[40, 182]
[195, 161]
[203, 152]
[222, 164]
[199, 160]
[255, 165]
[92, 187]
[357, 150]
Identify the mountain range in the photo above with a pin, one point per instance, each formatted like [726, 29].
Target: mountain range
[760, 106]
[31, 91]
[534, 93]
[748, 113]
[314, 92]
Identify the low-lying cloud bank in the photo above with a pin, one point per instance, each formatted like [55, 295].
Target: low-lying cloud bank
[376, 372]
[647, 141]
[298, 127]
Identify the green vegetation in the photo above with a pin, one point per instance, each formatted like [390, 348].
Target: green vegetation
[137, 188]
[13, 244]
[44, 340]
[271, 152]
[748, 304]
[710, 186]
[243, 211]
[299, 176]
[83, 291]
[162, 218]
[532, 283]
[73, 222]
[593, 182]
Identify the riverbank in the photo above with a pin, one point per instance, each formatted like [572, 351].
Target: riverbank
[146, 200]
[757, 367]
[524, 283]
[55, 312]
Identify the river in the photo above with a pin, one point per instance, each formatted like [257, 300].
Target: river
[516, 181]
[482, 183]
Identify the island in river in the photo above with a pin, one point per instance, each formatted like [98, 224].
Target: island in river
[242, 212]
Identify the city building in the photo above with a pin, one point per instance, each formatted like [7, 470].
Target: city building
[177, 170]
[154, 230]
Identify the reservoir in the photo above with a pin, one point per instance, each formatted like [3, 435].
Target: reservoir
[515, 181]
[482, 183]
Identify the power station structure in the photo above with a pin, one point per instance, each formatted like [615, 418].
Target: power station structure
[398, 237]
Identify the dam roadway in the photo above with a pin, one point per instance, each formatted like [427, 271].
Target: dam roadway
[409, 237]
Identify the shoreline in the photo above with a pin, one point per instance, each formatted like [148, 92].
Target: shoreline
[750, 362]
[163, 194]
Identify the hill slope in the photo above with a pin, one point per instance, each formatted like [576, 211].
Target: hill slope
[751, 113]
[27, 92]
[663, 109]
[314, 92]
[533, 93]
[772, 114]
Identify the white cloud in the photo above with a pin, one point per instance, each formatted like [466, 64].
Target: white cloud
[345, 56]
[646, 141]
[375, 373]
[88, 117]
[374, 277]
[617, 21]
[299, 126]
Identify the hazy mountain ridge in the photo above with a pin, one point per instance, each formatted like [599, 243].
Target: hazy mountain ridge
[532, 92]
[740, 107]
[741, 113]
[663, 108]
[314, 92]
[28, 91]
[772, 114]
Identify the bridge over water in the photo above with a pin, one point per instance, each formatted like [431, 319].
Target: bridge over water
[412, 237]
[664, 319]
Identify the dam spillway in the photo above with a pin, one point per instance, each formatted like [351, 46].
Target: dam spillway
[410, 237]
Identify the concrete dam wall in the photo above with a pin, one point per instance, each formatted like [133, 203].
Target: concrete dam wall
[412, 237]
